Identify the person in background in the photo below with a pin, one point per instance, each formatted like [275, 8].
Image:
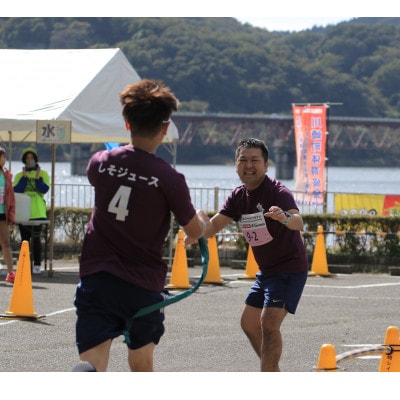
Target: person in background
[34, 182]
[7, 214]
[121, 266]
[271, 224]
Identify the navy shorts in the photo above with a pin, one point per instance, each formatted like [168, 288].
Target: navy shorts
[281, 290]
[104, 303]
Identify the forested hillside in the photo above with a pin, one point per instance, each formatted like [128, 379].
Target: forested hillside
[221, 65]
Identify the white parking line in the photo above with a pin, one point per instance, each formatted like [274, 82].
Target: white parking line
[46, 315]
[356, 286]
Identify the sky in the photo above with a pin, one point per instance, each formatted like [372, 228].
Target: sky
[292, 24]
[283, 14]
[271, 23]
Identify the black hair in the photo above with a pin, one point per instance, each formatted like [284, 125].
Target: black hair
[35, 157]
[252, 143]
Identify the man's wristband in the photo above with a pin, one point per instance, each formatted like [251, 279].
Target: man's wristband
[288, 218]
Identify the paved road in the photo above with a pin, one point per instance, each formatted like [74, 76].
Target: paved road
[203, 332]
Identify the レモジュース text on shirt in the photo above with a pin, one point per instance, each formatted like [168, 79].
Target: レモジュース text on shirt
[122, 172]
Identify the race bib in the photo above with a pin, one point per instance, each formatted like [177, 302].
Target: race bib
[255, 229]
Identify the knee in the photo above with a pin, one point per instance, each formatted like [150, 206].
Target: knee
[250, 327]
[243, 324]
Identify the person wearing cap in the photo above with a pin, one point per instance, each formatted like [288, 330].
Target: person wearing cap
[35, 183]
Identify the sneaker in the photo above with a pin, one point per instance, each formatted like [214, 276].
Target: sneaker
[10, 277]
[36, 269]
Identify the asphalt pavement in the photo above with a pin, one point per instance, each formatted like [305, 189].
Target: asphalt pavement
[202, 331]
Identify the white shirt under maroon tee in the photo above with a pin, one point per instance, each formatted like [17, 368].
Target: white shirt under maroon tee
[276, 248]
[135, 192]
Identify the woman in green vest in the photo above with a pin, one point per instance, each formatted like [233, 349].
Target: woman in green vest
[35, 183]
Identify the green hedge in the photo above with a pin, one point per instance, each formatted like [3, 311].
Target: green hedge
[344, 234]
[355, 234]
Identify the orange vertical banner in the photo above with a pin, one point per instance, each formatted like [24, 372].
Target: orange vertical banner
[310, 136]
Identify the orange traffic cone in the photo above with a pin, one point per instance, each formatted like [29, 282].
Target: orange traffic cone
[213, 272]
[327, 359]
[319, 265]
[391, 362]
[251, 265]
[179, 272]
[21, 304]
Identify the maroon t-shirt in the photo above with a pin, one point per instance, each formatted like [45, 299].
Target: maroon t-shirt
[286, 251]
[135, 193]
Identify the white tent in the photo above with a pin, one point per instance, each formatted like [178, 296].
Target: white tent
[81, 86]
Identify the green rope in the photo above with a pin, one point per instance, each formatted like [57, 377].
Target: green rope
[173, 299]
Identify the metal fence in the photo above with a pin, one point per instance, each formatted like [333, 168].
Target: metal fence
[208, 199]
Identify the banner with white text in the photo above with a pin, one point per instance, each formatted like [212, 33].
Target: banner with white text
[310, 136]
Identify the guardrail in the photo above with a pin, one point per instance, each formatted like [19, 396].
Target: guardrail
[208, 199]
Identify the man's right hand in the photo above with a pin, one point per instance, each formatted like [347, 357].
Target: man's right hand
[187, 241]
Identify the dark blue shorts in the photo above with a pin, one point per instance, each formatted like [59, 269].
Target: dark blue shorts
[104, 303]
[281, 290]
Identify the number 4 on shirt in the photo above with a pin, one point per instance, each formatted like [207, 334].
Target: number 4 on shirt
[119, 203]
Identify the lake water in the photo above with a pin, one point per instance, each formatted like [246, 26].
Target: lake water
[342, 180]
[339, 179]
[203, 177]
